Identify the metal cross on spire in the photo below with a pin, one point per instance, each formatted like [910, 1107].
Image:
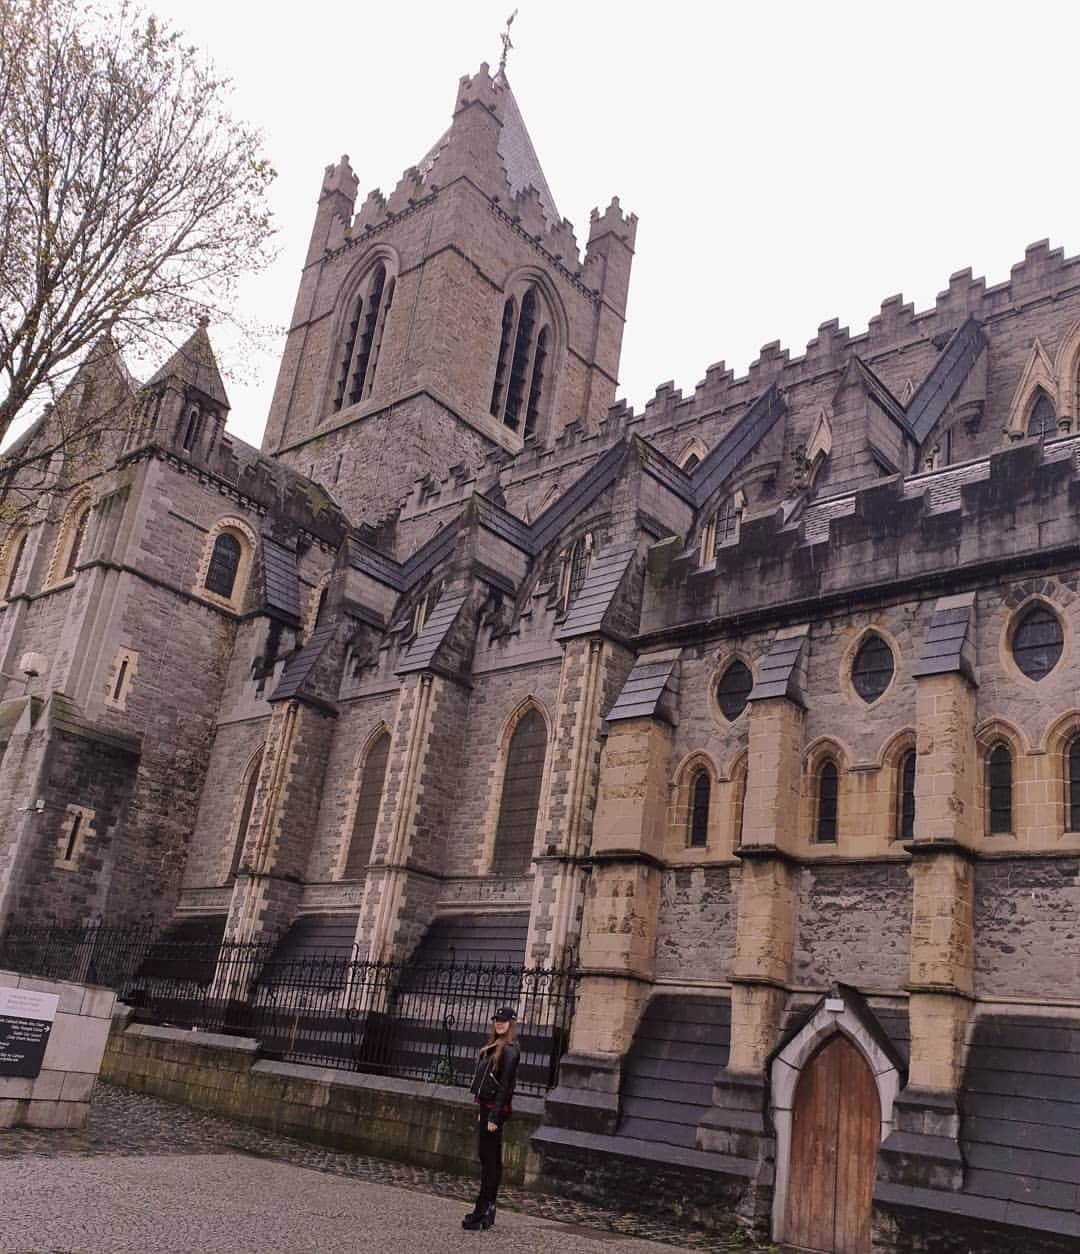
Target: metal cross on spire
[507, 45]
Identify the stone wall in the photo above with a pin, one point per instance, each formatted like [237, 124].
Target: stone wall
[1027, 913]
[695, 935]
[853, 926]
[430, 1125]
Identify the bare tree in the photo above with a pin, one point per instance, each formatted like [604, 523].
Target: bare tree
[131, 199]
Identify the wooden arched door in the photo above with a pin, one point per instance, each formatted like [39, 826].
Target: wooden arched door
[836, 1126]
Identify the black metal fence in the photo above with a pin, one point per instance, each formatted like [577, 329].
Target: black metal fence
[403, 1019]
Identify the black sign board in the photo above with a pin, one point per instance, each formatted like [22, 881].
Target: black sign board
[26, 1019]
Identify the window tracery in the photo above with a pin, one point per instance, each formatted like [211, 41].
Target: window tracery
[526, 340]
[362, 340]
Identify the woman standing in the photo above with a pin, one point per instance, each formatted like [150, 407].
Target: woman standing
[493, 1088]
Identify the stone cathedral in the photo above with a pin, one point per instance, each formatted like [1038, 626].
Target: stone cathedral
[763, 704]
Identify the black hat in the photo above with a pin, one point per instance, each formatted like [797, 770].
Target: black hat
[504, 1015]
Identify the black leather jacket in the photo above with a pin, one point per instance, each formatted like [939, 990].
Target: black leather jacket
[506, 1074]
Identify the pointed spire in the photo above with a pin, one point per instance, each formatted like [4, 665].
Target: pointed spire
[194, 365]
[513, 148]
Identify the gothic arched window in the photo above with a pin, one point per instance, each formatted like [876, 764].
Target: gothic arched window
[363, 338]
[520, 801]
[1073, 791]
[13, 556]
[78, 535]
[700, 793]
[828, 792]
[224, 563]
[367, 807]
[521, 369]
[250, 786]
[905, 807]
[999, 789]
[192, 427]
[1042, 421]
[575, 570]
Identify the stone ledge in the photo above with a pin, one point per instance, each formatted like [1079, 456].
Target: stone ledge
[212, 1040]
[339, 1078]
[648, 1151]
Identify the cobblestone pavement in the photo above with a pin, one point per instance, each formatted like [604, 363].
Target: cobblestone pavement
[200, 1182]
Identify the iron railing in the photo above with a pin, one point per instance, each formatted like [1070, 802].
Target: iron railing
[422, 1020]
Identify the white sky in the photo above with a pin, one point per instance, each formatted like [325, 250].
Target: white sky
[789, 163]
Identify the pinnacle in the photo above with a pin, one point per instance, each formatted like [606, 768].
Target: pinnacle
[195, 365]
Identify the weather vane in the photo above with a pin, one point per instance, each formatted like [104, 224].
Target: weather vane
[507, 45]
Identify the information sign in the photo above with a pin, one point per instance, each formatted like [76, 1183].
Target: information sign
[26, 1019]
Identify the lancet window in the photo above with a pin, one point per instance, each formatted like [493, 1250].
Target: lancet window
[700, 795]
[523, 363]
[999, 788]
[519, 805]
[828, 793]
[1042, 421]
[367, 807]
[363, 338]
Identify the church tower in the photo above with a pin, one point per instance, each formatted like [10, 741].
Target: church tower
[454, 318]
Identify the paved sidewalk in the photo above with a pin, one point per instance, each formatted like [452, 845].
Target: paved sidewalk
[152, 1177]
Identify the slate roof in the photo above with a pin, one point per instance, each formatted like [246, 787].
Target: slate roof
[882, 397]
[454, 938]
[516, 151]
[505, 525]
[948, 645]
[519, 156]
[779, 673]
[301, 664]
[586, 615]
[434, 631]
[1020, 1125]
[650, 688]
[945, 379]
[194, 363]
[746, 434]
[281, 579]
[667, 1076]
[600, 475]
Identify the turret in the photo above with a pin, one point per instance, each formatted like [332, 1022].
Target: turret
[337, 199]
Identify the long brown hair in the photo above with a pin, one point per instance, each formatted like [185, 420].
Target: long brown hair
[497, 1042]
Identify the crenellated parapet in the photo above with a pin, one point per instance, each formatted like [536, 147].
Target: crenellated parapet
[915, 535]
[900, 341]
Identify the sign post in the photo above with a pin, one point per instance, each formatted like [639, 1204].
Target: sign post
[26, 1020]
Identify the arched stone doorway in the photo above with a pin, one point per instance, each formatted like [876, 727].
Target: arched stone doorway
[833, 1088]
[836, 1122]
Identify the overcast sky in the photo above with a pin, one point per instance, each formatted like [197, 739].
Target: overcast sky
[789, 163]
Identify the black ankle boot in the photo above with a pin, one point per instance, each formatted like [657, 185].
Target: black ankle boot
[488, 1220]
[474, 1220]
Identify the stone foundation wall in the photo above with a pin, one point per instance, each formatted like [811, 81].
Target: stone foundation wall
[427, 1124]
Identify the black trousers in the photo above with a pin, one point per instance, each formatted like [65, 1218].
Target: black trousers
[489, 1149]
